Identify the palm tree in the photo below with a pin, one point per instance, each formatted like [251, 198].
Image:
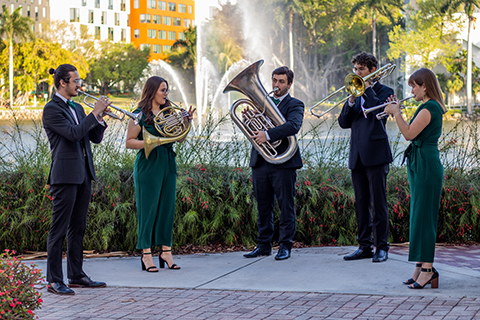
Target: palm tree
[377, 7]
[14, 26]
[189, 48]
[451, 6]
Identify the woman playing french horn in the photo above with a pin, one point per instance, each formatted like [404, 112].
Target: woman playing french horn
[154, 179]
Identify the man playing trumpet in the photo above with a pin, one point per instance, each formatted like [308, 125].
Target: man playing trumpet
[369, 160]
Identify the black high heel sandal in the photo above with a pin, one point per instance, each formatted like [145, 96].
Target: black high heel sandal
[163, 262]
[411, 281]
[149, 269]
[433, 280]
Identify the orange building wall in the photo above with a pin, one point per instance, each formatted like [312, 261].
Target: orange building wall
[144, 28]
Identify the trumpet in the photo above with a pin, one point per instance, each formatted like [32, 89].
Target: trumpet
[355, 86]
[383, 114]
[136, 117]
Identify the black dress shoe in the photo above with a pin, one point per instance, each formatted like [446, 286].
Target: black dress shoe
[85, 282]
[380, 256]
[282, 254]
[359, 254]
[59, 288]
[258, 252]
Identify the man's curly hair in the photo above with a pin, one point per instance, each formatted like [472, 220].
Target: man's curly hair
[365, 59]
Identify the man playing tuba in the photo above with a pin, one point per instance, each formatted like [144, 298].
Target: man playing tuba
[277, 180]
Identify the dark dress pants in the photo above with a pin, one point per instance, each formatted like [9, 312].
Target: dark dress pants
[369, 185]
[269, 182]
[69, 218]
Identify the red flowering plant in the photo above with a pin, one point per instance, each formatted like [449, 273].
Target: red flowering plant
[19, 285]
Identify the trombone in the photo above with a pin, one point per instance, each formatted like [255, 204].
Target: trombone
[355, 86]
[136, 117]
[383, 114]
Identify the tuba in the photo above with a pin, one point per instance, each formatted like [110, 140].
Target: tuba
[265, 114]
[171, 124]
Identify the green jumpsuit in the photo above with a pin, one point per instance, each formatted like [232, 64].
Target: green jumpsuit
[425, 174]
[155, 192]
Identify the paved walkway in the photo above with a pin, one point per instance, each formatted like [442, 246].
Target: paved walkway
[314, 284]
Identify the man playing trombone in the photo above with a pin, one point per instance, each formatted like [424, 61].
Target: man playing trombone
[369, 160]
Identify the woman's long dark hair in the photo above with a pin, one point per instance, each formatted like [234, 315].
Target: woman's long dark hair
[433, 91]
[148, 94]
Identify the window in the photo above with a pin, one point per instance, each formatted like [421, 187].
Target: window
[97, 3]
[181, 36]
[145, 18]
[36, 13]
[157, 48]
[136, 4]
[152, 34]
[74, 15]
[172, 35]
[104, 18]
[187, 23]
[177, 22]
[182, 8]
[172, 6]
[117, 18]
[167, 21]
[162, 5]
[190, 9]
[84, 3]
[123, 35]
[151, 4]
[110, 4]
[128, 20]
[157, 19]
[136, 33]
[97, 33]
[28, 11]
[162, 35]
[166, 48]
[44, 12]
[90, 16]
[123, 6]
[40, 2]
[110, 34]
[146, 45]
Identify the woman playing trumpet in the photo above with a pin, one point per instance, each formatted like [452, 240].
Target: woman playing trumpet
[425, 172]
[155, 179]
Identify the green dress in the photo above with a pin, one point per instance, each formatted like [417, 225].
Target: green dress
[155, 192]
[425, 174]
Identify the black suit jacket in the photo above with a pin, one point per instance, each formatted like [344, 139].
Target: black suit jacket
[292, 111]
[69, 142]
[368, 139]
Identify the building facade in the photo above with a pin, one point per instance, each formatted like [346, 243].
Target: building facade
[105, 19]
[38, 10]
[158, 24]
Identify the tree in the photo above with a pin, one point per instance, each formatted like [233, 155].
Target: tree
[386, 8]
[13, 26]
[183, 54]
[426, 39]
[33, 60]
[117, 62]
[449, 7]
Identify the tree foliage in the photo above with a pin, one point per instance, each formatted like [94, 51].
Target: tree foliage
[115, 63]
[427, 40]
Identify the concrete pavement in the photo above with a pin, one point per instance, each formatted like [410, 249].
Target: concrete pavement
[315, 283]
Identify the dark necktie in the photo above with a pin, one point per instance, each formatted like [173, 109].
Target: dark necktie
[276, 101]
[70, 103]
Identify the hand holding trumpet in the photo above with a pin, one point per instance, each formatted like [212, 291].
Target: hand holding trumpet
[101, 107]
[393, 107]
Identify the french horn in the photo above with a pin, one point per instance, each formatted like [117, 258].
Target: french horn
[263, 115]
[171, 124]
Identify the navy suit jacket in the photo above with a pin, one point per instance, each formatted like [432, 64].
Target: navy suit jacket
[292, 110]
[368, 139]
[70, 143]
